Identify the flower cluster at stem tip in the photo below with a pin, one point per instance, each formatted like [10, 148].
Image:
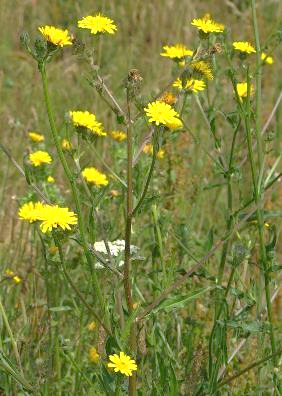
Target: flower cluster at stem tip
[39, 157]
[87, 120]
[122, 363]
[160, 113]
[92, 175]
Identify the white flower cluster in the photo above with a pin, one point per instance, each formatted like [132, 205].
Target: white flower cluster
[116, 247]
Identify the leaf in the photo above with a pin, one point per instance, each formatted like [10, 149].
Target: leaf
[7, 366]
[180, 301]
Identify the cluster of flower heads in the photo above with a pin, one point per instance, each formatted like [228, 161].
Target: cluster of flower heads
[97, 24]
[10, 275]
[49, 216]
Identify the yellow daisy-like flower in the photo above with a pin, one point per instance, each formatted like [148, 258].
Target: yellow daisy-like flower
[56, 36]
[207, 25]
[177, 51]
[92, 175]
[38, 158]
[203, 68]
[97, 24]
[266, 58]
[29, 211]
[66, 145]
[122, 363]
[191, 85]
[54, 217]
[120, 136]
[243, 46]
[242, 89]
[36, 137]
[148, 149]
[50, 179]
[162, 113]
[87, 120]
[93, 355]
[11, 275]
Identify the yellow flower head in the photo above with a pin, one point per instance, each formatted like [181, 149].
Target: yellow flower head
[38, 158]
[120, 136]
[266, 58]
[242, 89]
[91, 326]
[93, 355]
[56, 36]
[122, 363]
[11, 275]
[177, 51]
[54, 217]
[50, 179]
[148, 149]
[97, 24]
[66, 145]
[203, 68]
[168, 98]
[207, 25]
[87, 120]
[36, 137]
[29, 211]
[92, 175]
[191, 85]
[162, 113]
[243, 46]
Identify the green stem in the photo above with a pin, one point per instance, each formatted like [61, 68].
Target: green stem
[147, 182]
[13, 341]
[127, 262]
[72, 184]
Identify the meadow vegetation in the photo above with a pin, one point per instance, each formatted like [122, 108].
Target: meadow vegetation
[140, 198]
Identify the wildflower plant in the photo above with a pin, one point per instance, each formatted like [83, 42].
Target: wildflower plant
[159, 292]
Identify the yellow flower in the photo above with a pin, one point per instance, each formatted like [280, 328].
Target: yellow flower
[122, 363]
[66, 145]
[87, 120]
[91, 326]
[162, 113]
[191, 85]
[243, 46]
[92, 175]
[50, 179]
[29, 211]
[168, 98]
[38, 158]
[56, 36]
[11, 275]
[36, 137]
[266, 58]
[207, 25]
[97, 24]
[242, 89]
[203, 68]
[148, 149]
[54, 217]
[177, 51]
[120, 136]
[93, 355]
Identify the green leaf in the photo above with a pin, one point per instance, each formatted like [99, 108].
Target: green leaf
[180, 301]
[7, 366]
